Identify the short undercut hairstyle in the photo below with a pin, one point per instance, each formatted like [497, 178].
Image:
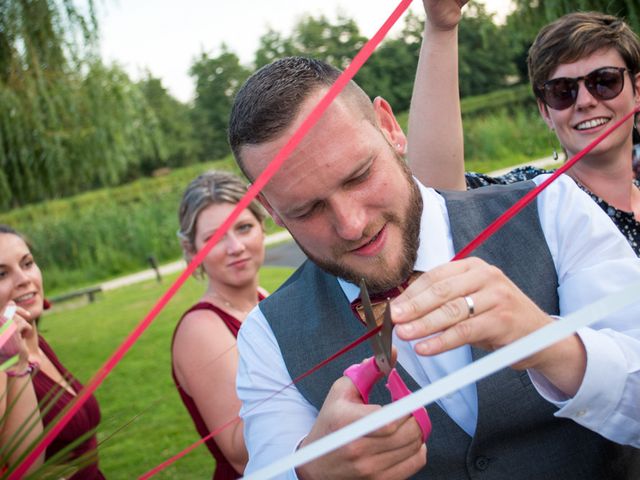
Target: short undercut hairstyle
[578, 35]
[270, 100]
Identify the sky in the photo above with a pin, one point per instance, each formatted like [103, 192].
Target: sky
[165, 36]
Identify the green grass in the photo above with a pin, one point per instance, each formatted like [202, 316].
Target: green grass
[140, 389]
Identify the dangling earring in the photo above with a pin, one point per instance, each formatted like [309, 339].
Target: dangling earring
[555, 152]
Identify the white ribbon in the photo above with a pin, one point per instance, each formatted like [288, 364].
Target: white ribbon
[473, 372]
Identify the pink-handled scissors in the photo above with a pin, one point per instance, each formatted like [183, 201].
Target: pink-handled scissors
[365, 375]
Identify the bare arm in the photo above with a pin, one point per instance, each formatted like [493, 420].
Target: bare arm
[19, 422]
[206, 362]
[436, 146]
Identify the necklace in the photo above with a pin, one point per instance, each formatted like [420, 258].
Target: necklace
[229, 304]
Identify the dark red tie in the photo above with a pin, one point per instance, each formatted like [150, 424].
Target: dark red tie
[379, 300]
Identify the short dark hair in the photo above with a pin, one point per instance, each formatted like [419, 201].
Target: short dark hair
[270, 99]
[577, 35]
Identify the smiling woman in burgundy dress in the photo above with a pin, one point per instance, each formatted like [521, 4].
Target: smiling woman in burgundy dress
[39, 380]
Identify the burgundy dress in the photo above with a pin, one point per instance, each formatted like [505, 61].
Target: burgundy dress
[85, 420]
[224, 470]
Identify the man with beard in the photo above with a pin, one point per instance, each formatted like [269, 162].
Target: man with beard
[351, 204]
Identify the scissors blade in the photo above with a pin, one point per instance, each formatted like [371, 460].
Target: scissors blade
[380, 342]
[369, 317]
[385, 333]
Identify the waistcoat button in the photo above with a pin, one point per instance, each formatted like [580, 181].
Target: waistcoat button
[482, 463]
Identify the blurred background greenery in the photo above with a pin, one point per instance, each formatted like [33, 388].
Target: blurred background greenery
[92, 163]
[92, 166]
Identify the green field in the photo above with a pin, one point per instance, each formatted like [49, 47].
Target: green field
[143, 420]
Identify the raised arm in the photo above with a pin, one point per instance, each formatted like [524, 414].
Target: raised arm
[436, 148]
[20, 421]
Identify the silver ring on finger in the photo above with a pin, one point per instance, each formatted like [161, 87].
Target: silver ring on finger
[470, 305]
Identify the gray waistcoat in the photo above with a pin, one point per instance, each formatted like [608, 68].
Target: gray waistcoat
[517, 436]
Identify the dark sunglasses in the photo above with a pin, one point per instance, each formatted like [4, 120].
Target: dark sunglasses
[603, 83]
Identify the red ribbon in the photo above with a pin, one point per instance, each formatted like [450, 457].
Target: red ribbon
[475, 243]
[218, 430]
[256, 187]
[253, 191]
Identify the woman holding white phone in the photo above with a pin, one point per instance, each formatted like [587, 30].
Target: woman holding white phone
[38, 381]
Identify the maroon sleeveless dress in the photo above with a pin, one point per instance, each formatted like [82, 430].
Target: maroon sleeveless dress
[224, 470]
[85, 420]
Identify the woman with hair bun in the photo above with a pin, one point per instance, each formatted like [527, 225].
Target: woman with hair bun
[204, 358]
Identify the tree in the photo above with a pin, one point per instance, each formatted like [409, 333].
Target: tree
[67, 122]
[534, 15]
[391, 70]
[273, 45]
[529, 17]
[335, 43]
[217, 80]
[174, 119]
[486, 55]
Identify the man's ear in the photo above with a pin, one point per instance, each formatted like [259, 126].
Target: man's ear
[389, 125]
[265, 203]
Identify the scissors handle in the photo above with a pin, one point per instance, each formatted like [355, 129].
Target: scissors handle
[398, 390]
[364, 376]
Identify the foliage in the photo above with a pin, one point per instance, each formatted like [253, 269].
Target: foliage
[143, 422]
[505, 137]
[67, 122]
[485, 56]
[174, 123]
[530, 16]
[500, 135]
[507, 97]
[335, 43]
[77, 241]
[391, 70]
[94, 236]
[217, 80]
[538, 13]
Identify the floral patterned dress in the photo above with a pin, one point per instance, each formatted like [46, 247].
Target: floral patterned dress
[625, 221]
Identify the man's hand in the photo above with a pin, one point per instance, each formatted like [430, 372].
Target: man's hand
[393, 451]
[443, 14]
[435, 306]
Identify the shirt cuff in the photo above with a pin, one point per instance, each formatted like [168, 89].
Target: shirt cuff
[595, 400]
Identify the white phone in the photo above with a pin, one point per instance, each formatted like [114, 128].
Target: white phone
[9, 312]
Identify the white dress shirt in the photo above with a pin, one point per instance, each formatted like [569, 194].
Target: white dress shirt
[592, 259]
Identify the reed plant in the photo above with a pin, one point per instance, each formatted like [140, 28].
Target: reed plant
[95, 236]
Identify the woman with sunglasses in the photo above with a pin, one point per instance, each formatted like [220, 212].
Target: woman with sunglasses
[204, 357]
[583, 68]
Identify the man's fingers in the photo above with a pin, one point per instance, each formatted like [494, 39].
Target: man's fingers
[439, 286]
[446, 316]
